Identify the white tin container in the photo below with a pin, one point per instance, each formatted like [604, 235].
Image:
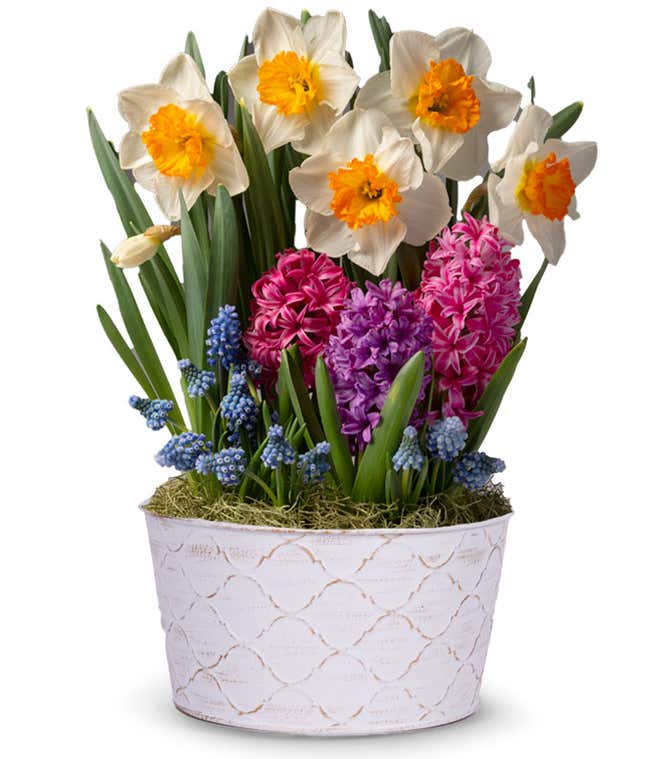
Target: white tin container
[326, 632]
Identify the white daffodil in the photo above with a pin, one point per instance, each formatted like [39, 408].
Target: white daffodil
[298, 79]
[136, 250]
[366, 192]
[178, 139]
[539, 182]
[436, 93]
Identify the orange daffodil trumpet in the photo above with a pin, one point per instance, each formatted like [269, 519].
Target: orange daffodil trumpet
[178, 139]
[436, 93]
[366, 192]
[298, 80]
[539, 181]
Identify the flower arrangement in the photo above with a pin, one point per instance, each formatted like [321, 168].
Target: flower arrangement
[368, 364]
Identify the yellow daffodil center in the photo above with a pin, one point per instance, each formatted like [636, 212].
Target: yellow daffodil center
[362, 193]
[289, 83]
[178, 143]
[546, 187]
[446, 97]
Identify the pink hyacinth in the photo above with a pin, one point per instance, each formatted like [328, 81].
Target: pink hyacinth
[470, 288]
[296, 302]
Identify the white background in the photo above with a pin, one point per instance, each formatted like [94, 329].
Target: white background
[83, 667]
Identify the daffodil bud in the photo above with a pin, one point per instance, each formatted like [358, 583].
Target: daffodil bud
[134, 251]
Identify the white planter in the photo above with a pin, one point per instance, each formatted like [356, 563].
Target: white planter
[326, 632]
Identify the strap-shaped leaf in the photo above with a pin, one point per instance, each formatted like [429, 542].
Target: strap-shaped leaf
[291, 382]
[529, 295]
[331, 421]
[225, 254]
[492, 397]
[395, 415]
[192, 49]
[195, 280]
[381, 33]
[563, 120]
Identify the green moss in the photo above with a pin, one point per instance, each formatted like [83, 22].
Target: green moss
[325, 509]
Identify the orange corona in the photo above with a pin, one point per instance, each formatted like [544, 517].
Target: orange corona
[546, 187]
[289, 83]
[446, 98]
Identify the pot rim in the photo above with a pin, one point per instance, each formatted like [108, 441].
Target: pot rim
[237, 527]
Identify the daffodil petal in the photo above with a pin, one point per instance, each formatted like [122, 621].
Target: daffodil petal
[499, 105]
[532, 126]
[324, 34]
[167, 191]
[465, 47]
[276, 32]
[244, 78]
[320, 122]
[133, 152]
[337, 83]
[310, 182]
[438, 145]
[549, 234]
[146, 175]
[357, 133]
[376, 243]
[424, 210]
[326, 234]
[396, 158]
[228, 169]
[275, 129]
[582, 156]
[377, 93]
[505, 212]
[183, 75]
[470, 159]
[212, 118]
[410, 55]
[572, 211]
[137, 104]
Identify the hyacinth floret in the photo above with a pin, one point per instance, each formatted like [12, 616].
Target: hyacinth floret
[224, 339]
[297, 302]
[475, 469]
[379, 331]
[156, 411]
[446, 438]
[182, 451]
[315, 464]
[238, 407]
[470, 288]
[229, 464]
[409, 454]
[278, 450]
[199, 381]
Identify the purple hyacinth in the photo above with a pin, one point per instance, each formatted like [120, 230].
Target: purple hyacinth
[379, 331]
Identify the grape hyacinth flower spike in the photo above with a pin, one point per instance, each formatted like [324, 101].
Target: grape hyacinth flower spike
[224, 339]
[182, 451]
[238, 407]
[278, 450]
[315, 464]
[475, 469]
[409, 455]
[446, 438]
[199, 381]
[228, 465]
[155, 411]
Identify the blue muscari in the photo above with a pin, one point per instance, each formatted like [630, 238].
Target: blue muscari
[182, 451]
[199, 381]
[446, 438]
[315, 463]
[228, 465]
[277, 450]
[475, 469]
[155, 411]
[224, 338]
[238, 408]
[409, 454]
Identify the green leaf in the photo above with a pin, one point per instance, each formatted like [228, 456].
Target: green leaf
[137, 330]
[225, 254]
[303, 407]
[395, 416]
[492, 397]
[381, 33]
[125, 352]
[563, 120]
[195, 277]
[331, 421]
[305, 16]
[531, 87]
[528, 296]
[264, 211]
[221, 92]
[192, 49]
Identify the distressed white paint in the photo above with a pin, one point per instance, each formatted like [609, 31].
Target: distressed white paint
[326, 632]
